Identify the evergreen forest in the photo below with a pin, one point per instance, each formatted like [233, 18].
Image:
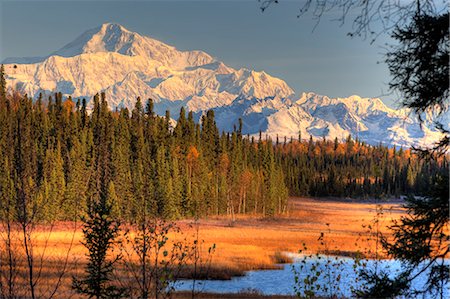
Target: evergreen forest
[57, 154]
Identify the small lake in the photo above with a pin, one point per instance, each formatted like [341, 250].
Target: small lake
[281, 282]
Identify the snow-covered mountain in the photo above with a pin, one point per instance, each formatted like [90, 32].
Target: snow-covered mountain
[125, 65]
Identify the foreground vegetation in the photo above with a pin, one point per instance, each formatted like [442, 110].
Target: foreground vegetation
[248, 243]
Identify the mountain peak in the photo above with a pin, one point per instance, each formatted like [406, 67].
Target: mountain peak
[113, 37]
[109, 37]
[113, 27]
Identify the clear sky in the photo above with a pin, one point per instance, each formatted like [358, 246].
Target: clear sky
[323, 60]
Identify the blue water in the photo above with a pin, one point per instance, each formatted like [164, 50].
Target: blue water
[336, 272]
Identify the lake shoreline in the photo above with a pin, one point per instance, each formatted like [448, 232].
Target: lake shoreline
[296, 277]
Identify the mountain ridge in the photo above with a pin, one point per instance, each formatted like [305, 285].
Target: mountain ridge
[125, 65]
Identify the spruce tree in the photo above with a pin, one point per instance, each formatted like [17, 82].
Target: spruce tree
[78, 172]
[100, 231]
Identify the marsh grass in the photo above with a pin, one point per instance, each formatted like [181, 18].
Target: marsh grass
[282, 258]
[252, 243]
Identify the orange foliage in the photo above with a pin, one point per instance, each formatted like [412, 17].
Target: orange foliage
[329, 149]
[246, 178]
[317, 150]
[192, 155]
[341, 149]
[115, 114]
[68, 106]
[407, 154]
[391, 153]
[224, 163]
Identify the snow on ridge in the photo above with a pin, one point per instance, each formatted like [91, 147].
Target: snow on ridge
[125, 65]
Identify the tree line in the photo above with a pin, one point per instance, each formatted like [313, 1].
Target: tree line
[355, 169]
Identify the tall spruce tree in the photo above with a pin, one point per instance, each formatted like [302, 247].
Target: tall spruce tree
[100, 231]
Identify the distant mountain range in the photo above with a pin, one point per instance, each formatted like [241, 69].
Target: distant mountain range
[125, 65]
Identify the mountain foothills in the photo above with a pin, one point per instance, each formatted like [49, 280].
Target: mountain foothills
[125, 65]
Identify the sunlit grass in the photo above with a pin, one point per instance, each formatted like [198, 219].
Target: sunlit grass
[250, 242]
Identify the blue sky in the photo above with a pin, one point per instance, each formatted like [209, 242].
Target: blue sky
[323, 60]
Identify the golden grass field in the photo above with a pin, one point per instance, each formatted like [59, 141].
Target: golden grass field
[250, 242]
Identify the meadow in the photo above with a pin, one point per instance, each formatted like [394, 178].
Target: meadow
[249, 242]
